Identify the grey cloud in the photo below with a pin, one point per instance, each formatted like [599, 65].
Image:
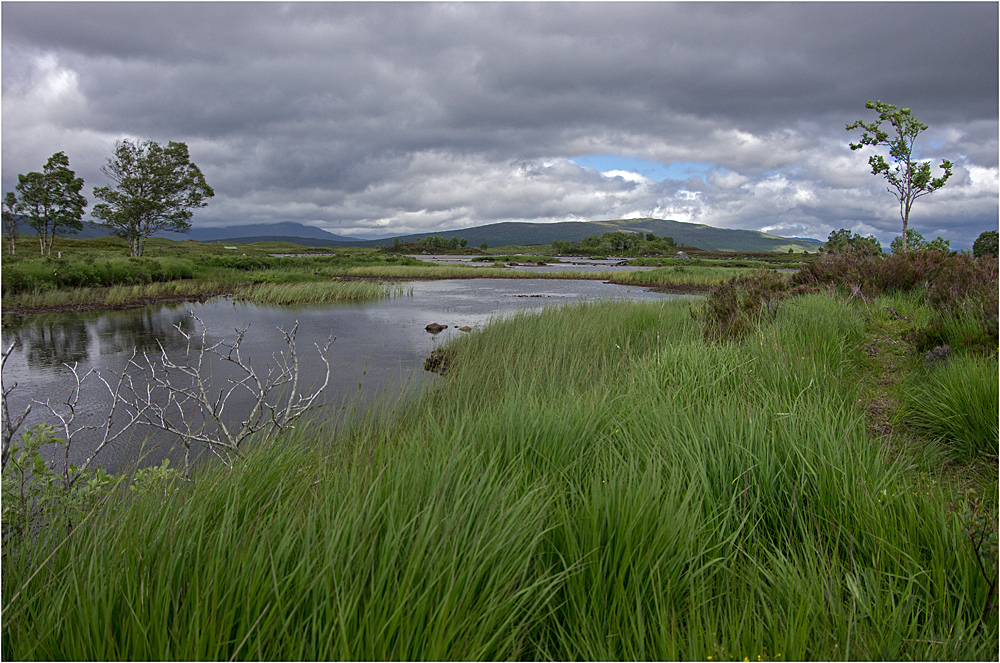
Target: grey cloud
[398, 117]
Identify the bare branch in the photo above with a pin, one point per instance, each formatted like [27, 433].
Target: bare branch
[9, 426]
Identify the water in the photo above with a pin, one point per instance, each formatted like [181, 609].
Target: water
[379, 346]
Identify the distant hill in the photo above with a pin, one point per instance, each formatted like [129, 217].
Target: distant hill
[286, 231]
[687, 234]
[503, 234]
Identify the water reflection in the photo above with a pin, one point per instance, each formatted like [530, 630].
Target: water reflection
[143, 330]
[380, 345]
[51, 342]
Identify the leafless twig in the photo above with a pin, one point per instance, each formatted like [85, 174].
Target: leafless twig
[182, 399]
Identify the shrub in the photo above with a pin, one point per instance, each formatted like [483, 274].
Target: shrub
[736, 307]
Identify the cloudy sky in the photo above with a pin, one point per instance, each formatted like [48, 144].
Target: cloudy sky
[374, 119]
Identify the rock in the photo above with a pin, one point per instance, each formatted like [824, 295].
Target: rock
[465, 329]
[435, 328]
[680, 255]
[938, 356]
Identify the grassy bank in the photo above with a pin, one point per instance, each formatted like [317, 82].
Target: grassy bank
[596, 482]
[93, 273]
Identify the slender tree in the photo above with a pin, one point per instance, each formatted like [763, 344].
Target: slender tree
[11, 219]
[908, 180]
[154, 188]
[49, 201]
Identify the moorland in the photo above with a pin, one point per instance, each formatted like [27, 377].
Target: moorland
[801, 465]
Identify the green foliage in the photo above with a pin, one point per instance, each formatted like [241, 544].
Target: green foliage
[26, 277]
[615, 243]
[843, 240]
[153, 188]
[908, 180]
[985, 244]
[159, 479]
[35, 496]
[49, 201]
[430, 244]
[916, 242]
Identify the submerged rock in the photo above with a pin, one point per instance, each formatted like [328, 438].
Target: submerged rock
[435, 328]
[465, 329]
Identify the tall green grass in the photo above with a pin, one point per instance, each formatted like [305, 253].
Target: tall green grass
[589, 483]
[958, 403]
[322, 292]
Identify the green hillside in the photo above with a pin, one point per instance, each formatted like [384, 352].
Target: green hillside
[687, 234]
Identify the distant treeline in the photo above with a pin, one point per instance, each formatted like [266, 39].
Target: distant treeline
[617, 242]
[433, 244]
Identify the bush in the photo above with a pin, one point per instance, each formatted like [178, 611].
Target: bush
[736, 307]
[960, 290]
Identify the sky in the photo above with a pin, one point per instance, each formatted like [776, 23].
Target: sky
[381, 119]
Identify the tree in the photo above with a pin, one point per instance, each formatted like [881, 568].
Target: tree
[48, 201]
[914, 242]
[484, 246]
[985, 244]
[11, 219]
[940, 244]
[154, 188]
[844, 240]
[908, 179]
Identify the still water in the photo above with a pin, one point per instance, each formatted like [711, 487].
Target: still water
[379, 346]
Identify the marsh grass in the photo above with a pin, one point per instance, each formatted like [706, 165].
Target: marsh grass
[661, 276]
[589, 483]
[113, 296]
[958, 403]
[312, 292]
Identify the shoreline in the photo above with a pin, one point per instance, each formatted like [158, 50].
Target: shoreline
[149, 300]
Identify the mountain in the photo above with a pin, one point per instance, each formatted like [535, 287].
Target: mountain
[502, 234]
[687, 234]
[286, 231]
